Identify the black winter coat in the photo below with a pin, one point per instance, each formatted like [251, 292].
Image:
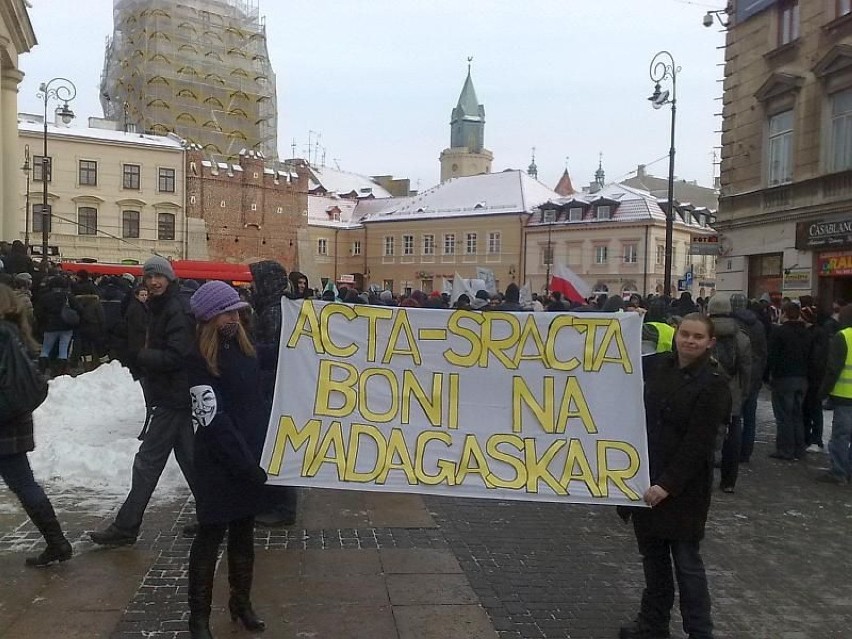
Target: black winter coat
[230, 416]
[789, 351]
[683, 410]
[48, 310]
[16, 435]
[168, 343]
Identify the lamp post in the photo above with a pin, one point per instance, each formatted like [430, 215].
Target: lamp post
[549, 216]
[663, 68]
[62, 90]
[26, 168]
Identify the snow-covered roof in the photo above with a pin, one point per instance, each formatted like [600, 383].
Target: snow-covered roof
[322, 211]
[627, 204]
[487, 194]
[344, 183]
[102, 135]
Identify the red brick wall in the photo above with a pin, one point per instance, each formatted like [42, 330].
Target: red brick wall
[249, 214]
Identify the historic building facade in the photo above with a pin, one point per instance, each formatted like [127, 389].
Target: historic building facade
[113, 195]
[16, 37]
[786, 172]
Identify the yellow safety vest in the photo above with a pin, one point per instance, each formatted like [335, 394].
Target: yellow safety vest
[665, 336]
[843, 387]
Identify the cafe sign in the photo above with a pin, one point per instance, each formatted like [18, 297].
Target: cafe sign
[833, 264]
[824, 235]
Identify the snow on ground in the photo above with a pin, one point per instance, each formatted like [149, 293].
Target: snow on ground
[86, 436]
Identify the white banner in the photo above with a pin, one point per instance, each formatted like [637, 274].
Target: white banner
[534, 406]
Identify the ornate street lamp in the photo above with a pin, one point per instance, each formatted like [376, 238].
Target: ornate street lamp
[663, 68]
[62, 90]
[549, 216]
[27, 169]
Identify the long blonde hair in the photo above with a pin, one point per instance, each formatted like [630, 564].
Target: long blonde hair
[208, 344]
[12, 311]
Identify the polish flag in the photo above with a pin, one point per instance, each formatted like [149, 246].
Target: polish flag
[571, 285]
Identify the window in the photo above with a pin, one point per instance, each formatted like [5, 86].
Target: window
[428, 244]
[601, 254]
[788, 25]
[165, 226]
[661, 254]
[470, 244]
[38, 218]
[408, 245]
[322, 246]
[603, 212]
[130, 224]
[844, 7]
[88, 173]
[38, 168]
[166, 182]
[494, 243]
[356, 247]
[631, 254]
[450, 244]
[575, 214]
[388, 246]
[132, 175]
[781, 148]
[87, 221]
[841, 130]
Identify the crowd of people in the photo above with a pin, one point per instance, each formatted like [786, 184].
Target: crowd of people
[205, 356]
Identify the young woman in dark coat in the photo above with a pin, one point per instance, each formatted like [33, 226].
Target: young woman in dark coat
[230, 417]
[686, 399]
[16, 441]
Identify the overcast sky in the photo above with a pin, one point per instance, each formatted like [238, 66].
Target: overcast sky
[378, 79]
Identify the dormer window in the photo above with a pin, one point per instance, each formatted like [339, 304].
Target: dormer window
[603, 212]
[549, 216]
[575, 214]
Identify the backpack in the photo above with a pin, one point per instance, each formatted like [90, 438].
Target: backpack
[725, 352]
[22, 387]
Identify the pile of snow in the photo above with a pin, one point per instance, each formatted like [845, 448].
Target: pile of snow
[86, 436]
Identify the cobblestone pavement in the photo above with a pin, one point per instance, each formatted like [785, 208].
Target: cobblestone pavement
[776, 553]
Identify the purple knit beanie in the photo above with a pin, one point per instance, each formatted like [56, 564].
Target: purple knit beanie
[214, 298]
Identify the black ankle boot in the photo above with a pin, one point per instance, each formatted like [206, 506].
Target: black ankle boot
[246, 615]
[639, 629]
[58, 548]
[199, 627]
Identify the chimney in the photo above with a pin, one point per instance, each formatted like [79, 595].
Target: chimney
[640, 171]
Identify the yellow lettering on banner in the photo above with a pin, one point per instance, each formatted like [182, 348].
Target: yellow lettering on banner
[330, 451]
[288, 433]
[559, 322]
[453, 399]
[589, 326]
[577, 459]
[328, 311]
[326, 385]
[353, 452]
[397, 458]
[392, 393]
[446, 468]
[573, 406]
[307, 325]
[491, 447]
[469, 335]
[495, 345]
[431, 405]
[402, 326]
[473, 461]
[612, 336]
[619, 476]
[373, 315]
[529, 332]
[537, 467]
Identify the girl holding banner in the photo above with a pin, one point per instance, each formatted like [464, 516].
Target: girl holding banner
[230, 417]
[686, 398]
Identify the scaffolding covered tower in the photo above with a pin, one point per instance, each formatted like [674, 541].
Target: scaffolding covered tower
[196, 68]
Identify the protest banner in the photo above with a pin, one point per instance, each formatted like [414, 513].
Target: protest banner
[533, 406]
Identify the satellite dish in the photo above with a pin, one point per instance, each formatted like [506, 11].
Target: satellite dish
[661, 99]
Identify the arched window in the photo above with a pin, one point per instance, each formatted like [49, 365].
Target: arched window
[165, 226]
[87, 220]
[130, 224]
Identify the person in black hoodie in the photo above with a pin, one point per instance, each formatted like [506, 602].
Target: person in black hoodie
[230, 413]
[299, 286]
[787, 367]
[756, 331]
[162, 363]
[57, 332]
[270, 284]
